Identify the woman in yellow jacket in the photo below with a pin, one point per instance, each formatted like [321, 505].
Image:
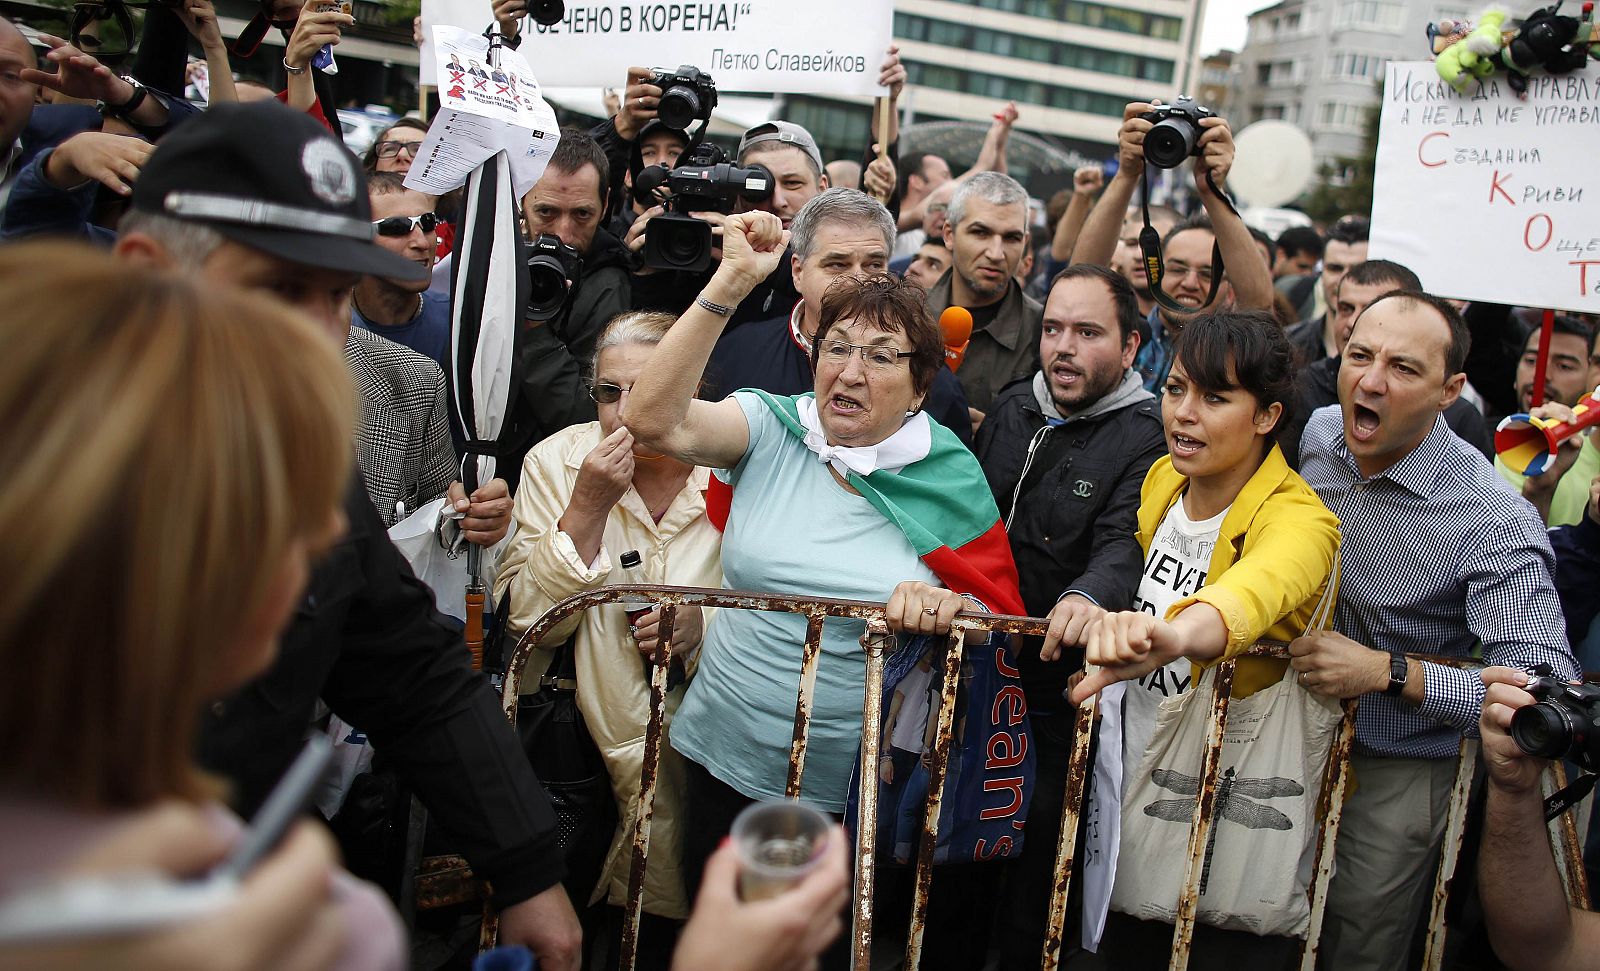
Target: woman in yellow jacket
[1238, 548]
[588, 495]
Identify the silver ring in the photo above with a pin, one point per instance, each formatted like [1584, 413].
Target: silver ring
[931, 611]
[632, 630]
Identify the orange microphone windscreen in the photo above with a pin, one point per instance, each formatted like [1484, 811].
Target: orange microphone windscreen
[955, 326]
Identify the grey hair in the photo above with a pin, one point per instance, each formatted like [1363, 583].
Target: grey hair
[635, 327]
[995, 188]
[189, 244]
[838, 206]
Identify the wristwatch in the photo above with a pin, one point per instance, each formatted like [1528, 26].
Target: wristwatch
[1398, 669]
[140, 92]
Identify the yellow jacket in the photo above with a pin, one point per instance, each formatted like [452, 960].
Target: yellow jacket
[1271, 562]
[541, 566]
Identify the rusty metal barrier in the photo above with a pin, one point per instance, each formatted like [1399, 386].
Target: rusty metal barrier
[876, 644]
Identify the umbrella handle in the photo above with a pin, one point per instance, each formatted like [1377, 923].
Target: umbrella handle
[474, 629]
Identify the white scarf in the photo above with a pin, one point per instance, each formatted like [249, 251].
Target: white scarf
[910, 443]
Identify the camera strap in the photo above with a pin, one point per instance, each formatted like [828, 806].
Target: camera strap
[1563, 799]
[1155, 266]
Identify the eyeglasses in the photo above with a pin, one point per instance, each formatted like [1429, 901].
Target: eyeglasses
[1179, 270]
[389, 149]
[606, 394]
[406, 225]
[937, 207]
[878, 357]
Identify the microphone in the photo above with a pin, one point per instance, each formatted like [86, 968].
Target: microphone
[955, 325]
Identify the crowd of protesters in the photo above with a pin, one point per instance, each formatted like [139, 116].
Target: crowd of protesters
[1271, 439]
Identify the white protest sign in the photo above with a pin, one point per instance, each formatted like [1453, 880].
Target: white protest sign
[472, 16]
[1486, 195]
[822, 47]
[483, 108]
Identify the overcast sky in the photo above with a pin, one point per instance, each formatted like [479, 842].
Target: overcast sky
[1225, 23]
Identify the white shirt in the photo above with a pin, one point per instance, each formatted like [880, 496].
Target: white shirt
[1180, 555]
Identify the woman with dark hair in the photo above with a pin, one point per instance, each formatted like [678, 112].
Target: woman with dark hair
[1237, 548]
[847, 491]
[396, 147]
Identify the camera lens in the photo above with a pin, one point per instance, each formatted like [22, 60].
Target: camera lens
[1543, 730]
[678, 242]
[547, 12]
[1169, 142]
[679, 107]
[547, 289]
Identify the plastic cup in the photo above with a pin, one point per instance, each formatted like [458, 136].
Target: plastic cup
[778, 843]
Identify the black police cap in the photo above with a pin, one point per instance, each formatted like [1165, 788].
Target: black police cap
[274, 179]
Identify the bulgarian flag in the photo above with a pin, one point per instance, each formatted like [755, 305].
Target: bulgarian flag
[941, 503]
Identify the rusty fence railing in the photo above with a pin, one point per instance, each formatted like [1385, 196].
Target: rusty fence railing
[446, 882]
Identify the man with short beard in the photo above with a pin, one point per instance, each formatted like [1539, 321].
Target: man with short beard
[1066, 453]
[986, 228]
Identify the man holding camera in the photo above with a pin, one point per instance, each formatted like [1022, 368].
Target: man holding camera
[1192, 282]
[794, 163]
[1438, 557]
[563, 212]
[1532, 927]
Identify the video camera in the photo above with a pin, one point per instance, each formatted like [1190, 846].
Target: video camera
[687, 96]
[1176, 135]
[1563, 723]
[704, 181]
[554, 269]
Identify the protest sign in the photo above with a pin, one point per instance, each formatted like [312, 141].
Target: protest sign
[472, 16]
[755, 45]
[483, 108]
[1485, 195]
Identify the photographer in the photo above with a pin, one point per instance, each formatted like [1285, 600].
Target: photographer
[791, 155]
[1531, 925]
[1246, 283]
[567, 203]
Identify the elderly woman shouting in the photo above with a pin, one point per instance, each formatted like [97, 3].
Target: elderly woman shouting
[847, 492]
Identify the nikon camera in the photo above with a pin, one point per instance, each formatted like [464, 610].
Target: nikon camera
[702, 182]
[1176, 135]
[687, 95]
[1564, 723]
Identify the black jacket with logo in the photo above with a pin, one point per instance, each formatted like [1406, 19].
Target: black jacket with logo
[1069, 493]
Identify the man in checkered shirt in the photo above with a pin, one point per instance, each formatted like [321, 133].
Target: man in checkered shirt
[1438, 556]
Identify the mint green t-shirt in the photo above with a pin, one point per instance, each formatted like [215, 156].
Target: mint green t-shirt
[792, 528]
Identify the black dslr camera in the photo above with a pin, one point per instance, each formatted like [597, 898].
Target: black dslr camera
[554, 269]
[702, 182]
[1176, 134]
[687, 96]
[1563, 724]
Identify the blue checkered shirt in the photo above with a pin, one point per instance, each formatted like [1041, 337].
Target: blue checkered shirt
[1438, 556]
[1154, 359]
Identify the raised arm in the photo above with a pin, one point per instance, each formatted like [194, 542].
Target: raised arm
[1086, 185]
[662, 412]
[1097, 242]
[1247, 272]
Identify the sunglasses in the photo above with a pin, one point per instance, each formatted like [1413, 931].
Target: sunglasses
[406, 225]
[606, 394]
[389, 149]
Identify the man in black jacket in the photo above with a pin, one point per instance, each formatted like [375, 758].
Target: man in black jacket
[1066, 453]
[553, 356]
[264, 198]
